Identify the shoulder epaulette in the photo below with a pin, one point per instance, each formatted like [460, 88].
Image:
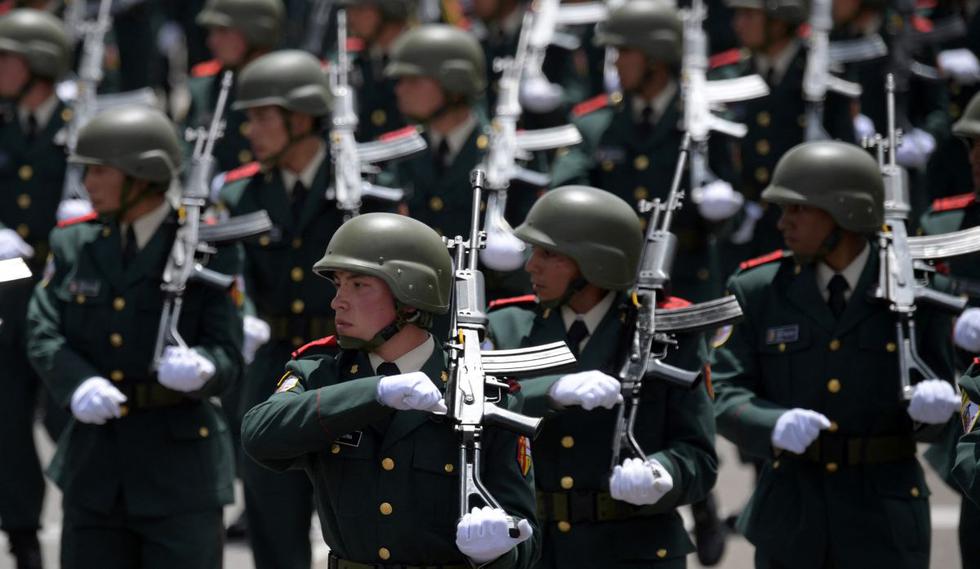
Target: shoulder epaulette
[767, 258]
[91, 216]
[206, 68]
[527, 299]
[921, 24]
[673, 303]
[953, 202]
[242, 172]
[804, 30]
[399, 133]
[327, 342]
[724, 58]
[590, 106]
[355, 45]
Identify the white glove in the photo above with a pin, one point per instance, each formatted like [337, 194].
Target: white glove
[410, 391]
[864, 127]
[70, 209]
[257, 332]
[966, 332]
[12, 246]
[639, 482]
[590, 389]
[933, 401]
[482, 534]
[538, 95]
[960, 64]
[916, 147]
[96, 400]
[717, 200]
[796, 429]
[183, 369]
[504, 251]
[744, 233]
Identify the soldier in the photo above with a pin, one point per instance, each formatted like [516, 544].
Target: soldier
[632, 139]
[239, 31]
[809, 380]
[580, 272]
[34, 54]
[353, 411]
[145, 465]
[966, 467]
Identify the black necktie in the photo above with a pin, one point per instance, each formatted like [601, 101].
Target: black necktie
[441, 156]
[576, 333]
[299, 200]
[131, 248]
[646, 121]
[388, 368]
[837, 287]
[32, 127]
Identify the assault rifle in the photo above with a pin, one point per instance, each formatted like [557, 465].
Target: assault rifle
[818, 79]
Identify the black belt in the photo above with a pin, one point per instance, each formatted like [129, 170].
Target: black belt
[334, 562]
[147, 395]
[578, 506]
[845, 451]
[298, 329]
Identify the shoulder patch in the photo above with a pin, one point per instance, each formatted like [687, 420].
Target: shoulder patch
[524, 455]
[673, 302]
[327, 342]
[528, 301]
[590, 106]
[921, 24]
[355, 45]
[399, 133]
[953, 202]
[91, 216]
[767, 258]
[287, 382]
[242, 172]
[724, 58]
[206, 68]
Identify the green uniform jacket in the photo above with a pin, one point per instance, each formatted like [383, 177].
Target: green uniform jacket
[953, 214]
[966, 471]
[231, 150]
[789, 352]
[386, 482]
[377, 105]
[91, 317]
[574, 450]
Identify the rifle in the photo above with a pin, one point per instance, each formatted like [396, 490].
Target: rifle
[192, 240]
[351, 159]
[318, 23]
[817, 79]
[653, 331]
[474, 387]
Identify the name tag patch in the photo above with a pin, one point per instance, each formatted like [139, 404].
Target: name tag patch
[783, 334]
[85, 287]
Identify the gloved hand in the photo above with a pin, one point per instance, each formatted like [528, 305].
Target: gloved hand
[12, 246]
[410, 391]
[257, 332]
[639, 482]
[590, 389]
[796, 429]
[183, 369]
[96, 401]
[538, 95]
[960, 64]
[864, 127]
[72, 208]
[753, 213]
[916, 147]
[933, 402]
[966, 332]
[717, 200]
[504, 251]
[482, 534]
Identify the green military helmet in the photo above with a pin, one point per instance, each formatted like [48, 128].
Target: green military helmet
[793, 12]
[653, 27]
[405, 253]
[39, 38]
[140, 141]
[969, 124]
[447, 54]
[597, 229]
[291, 79]
[836, 177]
[391, 10]
[260, 21]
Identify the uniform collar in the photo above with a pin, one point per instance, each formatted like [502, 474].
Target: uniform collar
[308, 175]
[414, 360]
[851, 273]
[779, 64]
[456, 138]
[145, 226]
[42, 113]
[593, 317]
[659, 103]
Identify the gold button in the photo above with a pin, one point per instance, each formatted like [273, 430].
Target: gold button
[954, 110]
[891, 346]
[123, 410]
[106, 231]
[782, 347]
[245, 156]
[354, 368]
[482, 142]
[119, 303]
[296, 274]
[762, 147]
[23, 201]
[567, 482]
[703, 274]
[298, 306]
[797, 269]
[616, 98]
[833, 385]
[568, 441]
[435, 203]
[831, 467]
[449, 468]
[204, 432]
[244, 128]
[444, 376]
[914, 492]
[641, 162]
[384, 554]
[297, 341]
[801, 121]
[80, 298]
[775, 464]
[335, 449]
[608, 165]
[641, 193]
[25, 172]
[297, 242]
[564, 527]
[763, 118]
[116, 340]
[385, 509]
[117, 376]
[379, 117]
[388, 464]
[661, 553]
[264, 241]
[833, 427]
[834, 345]
[23, 230]
[762, 174]
[66, 114]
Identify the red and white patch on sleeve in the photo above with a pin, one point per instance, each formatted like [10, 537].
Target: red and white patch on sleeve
[524, 455]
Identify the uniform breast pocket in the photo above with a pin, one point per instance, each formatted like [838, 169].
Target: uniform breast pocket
[784, 360]
[353, 462]
[436, 479]
[85, 315]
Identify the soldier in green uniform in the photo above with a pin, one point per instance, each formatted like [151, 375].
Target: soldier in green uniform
[34, 54]
[586, 247]
[354, 412]
[808, 381]
[145, 465]
[966, 468]
[239, 31]
[632, 139]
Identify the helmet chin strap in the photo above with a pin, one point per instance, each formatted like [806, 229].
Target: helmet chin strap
[402, 318]
[127, 200]
[571, 290]
[826, 247]
[291, 140]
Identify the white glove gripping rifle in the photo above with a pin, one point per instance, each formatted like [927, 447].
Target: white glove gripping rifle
[817, 78]
[195, 243]
[350, 159]
[653, 330]
[475, 387]
[901, 256]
